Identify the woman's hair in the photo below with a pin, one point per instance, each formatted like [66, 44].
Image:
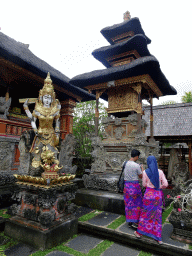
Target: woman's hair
[135, 153]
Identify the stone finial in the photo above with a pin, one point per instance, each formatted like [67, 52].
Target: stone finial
[126, 16]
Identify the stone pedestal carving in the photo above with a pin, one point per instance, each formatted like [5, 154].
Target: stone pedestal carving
[47, 209]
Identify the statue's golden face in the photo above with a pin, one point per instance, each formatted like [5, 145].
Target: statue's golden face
[47, 99]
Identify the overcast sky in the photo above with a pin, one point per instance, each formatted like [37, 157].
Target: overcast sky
[64, 33]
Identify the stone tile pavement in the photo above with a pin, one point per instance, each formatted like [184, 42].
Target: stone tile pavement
[85, 242]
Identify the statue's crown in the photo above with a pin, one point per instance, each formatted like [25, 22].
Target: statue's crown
[48, 88]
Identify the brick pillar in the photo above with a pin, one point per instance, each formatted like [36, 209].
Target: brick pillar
[66, 117]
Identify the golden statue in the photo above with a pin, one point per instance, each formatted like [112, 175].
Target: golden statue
[47, 109]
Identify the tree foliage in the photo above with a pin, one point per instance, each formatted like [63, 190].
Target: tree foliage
[84, 126]
[187, 97]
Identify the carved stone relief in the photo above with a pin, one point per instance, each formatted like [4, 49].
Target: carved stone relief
[66, 154]
[119, 132]
[4, 107]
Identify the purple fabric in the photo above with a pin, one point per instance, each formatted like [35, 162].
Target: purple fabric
[152, 171]
[132, 200]
[150, 221]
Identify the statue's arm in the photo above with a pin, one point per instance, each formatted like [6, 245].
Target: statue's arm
[57, 122]
[27, 111]
[31, 117]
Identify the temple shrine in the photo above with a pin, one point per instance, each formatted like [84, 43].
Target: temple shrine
[131, 75]
[21, 76]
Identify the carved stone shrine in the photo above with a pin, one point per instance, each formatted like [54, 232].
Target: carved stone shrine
[132, 74]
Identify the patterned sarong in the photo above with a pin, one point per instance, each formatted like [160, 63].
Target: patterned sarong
[150, 221]
[132, 200]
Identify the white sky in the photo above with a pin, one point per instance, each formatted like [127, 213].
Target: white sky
[64, 33]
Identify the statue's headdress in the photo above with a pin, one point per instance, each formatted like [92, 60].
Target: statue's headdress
[48, 88]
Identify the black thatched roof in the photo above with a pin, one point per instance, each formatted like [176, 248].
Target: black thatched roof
[19, 54]
[170, 120]
[145, 65]
[137, 42]
[126, 26]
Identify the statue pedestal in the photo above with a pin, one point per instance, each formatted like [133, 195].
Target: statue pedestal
[31, 233]
[43, 216]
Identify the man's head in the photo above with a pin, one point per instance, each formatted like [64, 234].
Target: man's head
[135, 154]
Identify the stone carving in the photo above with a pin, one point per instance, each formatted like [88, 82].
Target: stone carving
[174, 159]
[30, 199]
[47, 198]
[43, 205]
[4, 107]
[6, 155]
[24, 147]
[100, 183]
[181, 215]
[46, 218]
[119, 132]
[66, 154]
[110, 153]
[118, 121]
[115, 160]
[180, 173]
[30, 214]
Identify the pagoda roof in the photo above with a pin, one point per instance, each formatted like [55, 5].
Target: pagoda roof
[18, 53]
[137, 42]
[145, 65]
[126, 26]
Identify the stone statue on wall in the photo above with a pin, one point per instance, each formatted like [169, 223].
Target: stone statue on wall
[66, 155]
[173, 160]
[4, 107]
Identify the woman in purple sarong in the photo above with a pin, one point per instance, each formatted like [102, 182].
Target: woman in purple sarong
[132, 190]
[150, 221]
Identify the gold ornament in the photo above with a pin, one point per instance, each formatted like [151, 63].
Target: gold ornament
[47, 88]
[35, 163]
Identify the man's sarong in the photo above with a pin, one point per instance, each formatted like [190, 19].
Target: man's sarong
[132, 200]
[150, 221]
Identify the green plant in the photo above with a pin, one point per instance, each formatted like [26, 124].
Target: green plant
[84, 129]
[116, 223]
[3, 214]
[144, 254]
[167, 212]
[90, 215]
[169, 102]
[10, 242]
[187, 97]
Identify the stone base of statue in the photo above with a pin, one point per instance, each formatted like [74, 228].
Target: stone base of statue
[34, 234]
[44, 215]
